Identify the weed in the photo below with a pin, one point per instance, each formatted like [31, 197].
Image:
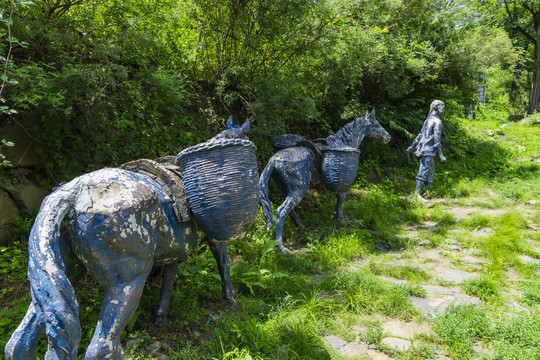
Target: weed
[459, 327]
[483, 288]
[517, 338]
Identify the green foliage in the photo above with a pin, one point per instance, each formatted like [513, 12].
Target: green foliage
[517, 338]
[460, 327]
[483, 288]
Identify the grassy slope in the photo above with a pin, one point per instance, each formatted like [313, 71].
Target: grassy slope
[282, 309]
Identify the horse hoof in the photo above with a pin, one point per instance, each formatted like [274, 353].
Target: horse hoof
[160, 321]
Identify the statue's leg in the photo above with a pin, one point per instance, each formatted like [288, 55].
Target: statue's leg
[296, 218]
[120, 302]
[219, 250]
[169, 273]
[338, 215]
[418, 187]
[284, 193]
[22, 344]
[292, 201]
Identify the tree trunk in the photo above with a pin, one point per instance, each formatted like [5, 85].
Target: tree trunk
[535, 87]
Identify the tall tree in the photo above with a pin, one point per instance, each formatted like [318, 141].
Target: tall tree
[523, 16]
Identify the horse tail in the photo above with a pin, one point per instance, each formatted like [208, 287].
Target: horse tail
[263, 191]
[52, 293]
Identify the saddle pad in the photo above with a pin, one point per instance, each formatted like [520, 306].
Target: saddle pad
[167, 175]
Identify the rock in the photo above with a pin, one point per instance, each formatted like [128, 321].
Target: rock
[424, 242]
[402, 329]
[429, 256]
[335, 342]
[396, 265]
[472, 261]
[530, 120]
[454, 276]
[453, 247]
[28, 196]
[436, 306]
[516, 306]
[392, 280]
[8, 212]
[396, 344]
[451, 241]
[431, 289]
[528, 259]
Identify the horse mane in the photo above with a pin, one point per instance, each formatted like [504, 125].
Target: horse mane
[349, 135]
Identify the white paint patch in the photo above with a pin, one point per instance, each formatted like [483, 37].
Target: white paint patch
[127, 289]
[83, 199]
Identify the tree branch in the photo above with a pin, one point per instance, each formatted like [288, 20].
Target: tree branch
[529, 37]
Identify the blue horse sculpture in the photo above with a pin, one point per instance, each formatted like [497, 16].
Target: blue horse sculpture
[115, 224]
[297, 166]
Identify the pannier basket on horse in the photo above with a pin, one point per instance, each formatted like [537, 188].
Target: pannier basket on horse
[220, 183]
[338, 167]
[285, 141]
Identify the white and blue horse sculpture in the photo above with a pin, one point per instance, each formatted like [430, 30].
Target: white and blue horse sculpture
[114, 224]
[298, 165]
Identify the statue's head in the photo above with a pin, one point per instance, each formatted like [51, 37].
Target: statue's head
[437, 107]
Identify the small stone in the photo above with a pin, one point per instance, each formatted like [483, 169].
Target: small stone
[334, 341]
[154, 347]
[528, 259]
[516, 306]
[454, 276]
[451, 241]
[372, 347]
[130, 344]
[396, 343]
[429, 256]
[454, 247]
[424, 242]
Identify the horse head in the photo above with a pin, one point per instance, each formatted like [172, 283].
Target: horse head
[234, 131]
[374, 128]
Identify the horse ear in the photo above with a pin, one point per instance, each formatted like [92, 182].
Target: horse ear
[367, 113]
[229, 123]
[245, 126]
[373, 113]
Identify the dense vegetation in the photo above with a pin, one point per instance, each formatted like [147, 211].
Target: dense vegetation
[109, 81]
[105, 82]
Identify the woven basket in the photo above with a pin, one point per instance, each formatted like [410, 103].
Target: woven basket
[220, 181]
[338, 167]
[285, 141]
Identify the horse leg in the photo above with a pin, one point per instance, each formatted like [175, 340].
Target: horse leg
[296, 219]
[169, 273]
[292, 201]
[219, 250]
[22, 344]
[338, 215]
[120, 302]
[284, 193]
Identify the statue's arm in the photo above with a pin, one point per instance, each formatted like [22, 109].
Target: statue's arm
[438, 142]
[415, 142]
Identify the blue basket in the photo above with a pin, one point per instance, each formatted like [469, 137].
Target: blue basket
[338, 167]
[221, 185]
[285, 141]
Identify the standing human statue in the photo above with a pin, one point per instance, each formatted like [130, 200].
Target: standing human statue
[426, 146]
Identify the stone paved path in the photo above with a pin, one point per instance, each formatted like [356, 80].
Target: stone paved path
[449, 265]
